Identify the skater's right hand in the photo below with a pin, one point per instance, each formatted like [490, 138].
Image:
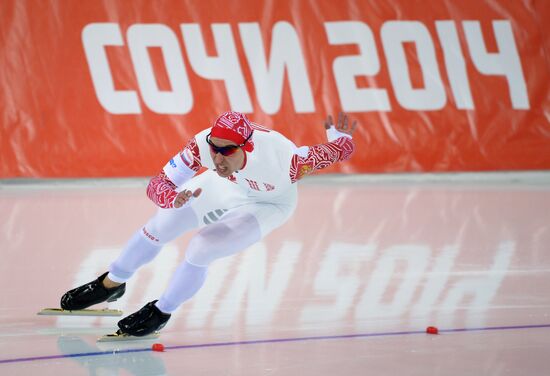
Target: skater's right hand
[185, 197]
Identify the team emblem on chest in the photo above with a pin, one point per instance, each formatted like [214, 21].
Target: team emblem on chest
[253, 184]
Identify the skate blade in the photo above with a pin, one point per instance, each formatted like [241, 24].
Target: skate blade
[80, 312]
[118, 337]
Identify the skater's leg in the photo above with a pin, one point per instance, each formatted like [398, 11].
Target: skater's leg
[138, 251]
[187, 280]
[234, 233]
[146, 243]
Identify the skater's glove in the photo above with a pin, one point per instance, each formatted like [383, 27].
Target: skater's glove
[333, 134]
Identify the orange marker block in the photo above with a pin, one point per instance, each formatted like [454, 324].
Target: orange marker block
[432, 330]
[158, 347]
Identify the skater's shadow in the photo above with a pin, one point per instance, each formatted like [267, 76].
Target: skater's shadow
[110, 358]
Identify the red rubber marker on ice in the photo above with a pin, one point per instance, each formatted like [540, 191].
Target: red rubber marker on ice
[158, 347]
[432, 330]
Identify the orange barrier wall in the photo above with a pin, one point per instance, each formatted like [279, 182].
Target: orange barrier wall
[114, 88]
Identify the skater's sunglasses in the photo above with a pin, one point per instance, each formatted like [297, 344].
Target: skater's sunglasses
[228, 150]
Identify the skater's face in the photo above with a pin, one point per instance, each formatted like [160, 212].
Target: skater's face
[228, 157]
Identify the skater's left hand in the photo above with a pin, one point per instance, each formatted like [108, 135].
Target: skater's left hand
[185, 196]
[343, 125]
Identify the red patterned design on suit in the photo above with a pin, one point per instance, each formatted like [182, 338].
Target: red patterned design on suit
[320, 156]
[162, 191]
[146, 233]
[253, 184]
[191, 153]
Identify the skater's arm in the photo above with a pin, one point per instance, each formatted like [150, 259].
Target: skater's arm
[182, 167]
[316, 157]
[162, 191]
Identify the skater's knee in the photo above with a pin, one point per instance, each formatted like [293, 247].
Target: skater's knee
[198, 252]
[217, 241]
[203, 248]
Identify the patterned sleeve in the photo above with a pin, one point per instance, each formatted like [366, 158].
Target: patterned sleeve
[162, 191]
[182, 167]
[320, 156]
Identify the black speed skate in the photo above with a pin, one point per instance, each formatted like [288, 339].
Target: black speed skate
[91, 293]
[147, 320]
